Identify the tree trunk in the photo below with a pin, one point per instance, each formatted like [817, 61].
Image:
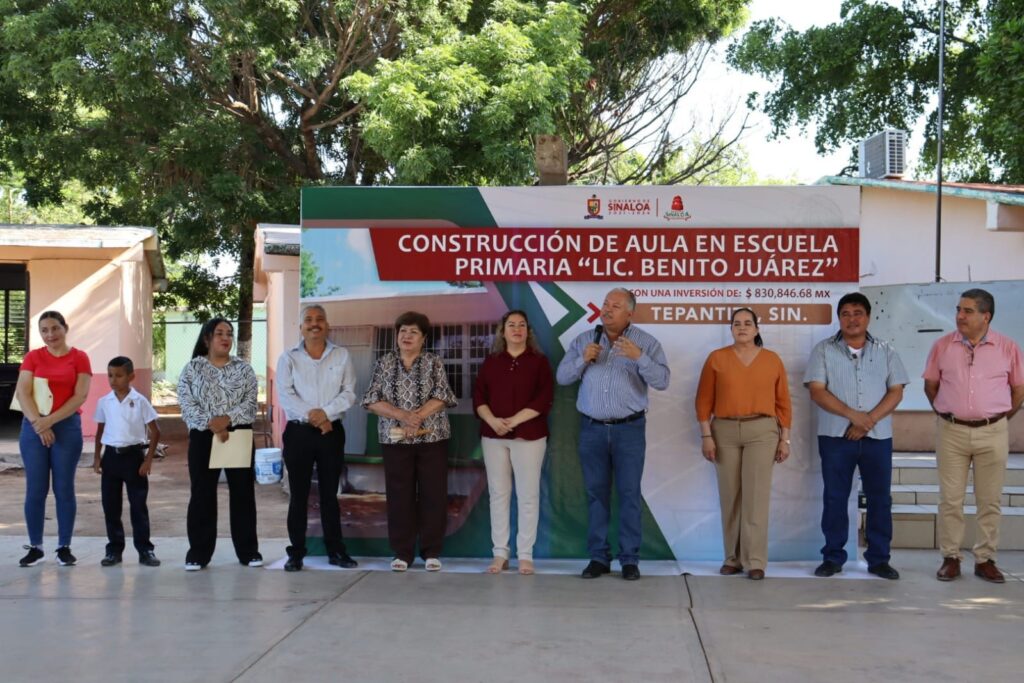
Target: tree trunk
[246, 257]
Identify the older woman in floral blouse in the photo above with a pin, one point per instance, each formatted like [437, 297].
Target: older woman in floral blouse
[217, 393]
[409, 392]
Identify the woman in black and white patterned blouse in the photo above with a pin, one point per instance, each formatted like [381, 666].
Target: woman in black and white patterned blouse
[409, 392]
[217, 392]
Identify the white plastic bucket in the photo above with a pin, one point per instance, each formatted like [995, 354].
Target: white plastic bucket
[268, 465]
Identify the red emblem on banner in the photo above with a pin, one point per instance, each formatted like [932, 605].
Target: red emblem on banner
[678, 212]
[593, 208]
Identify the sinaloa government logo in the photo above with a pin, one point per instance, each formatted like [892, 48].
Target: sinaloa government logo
[593, 208]
[678, 212]
[629, 207]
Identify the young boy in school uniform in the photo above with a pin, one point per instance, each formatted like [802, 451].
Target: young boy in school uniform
[127, 435]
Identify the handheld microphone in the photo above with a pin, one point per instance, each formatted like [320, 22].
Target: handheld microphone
[598, 331]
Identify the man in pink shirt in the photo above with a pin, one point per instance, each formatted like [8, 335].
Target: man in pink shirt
[974, 379]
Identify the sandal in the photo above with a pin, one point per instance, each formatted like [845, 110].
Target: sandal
[498, 565]
[526, 567]
[398, 565]
[432, 564]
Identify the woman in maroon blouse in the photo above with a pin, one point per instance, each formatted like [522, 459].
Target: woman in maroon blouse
[512, 396]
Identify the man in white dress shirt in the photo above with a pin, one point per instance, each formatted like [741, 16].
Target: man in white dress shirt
[316, 385]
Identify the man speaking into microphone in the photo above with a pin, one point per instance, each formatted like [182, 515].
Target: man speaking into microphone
[614, 363]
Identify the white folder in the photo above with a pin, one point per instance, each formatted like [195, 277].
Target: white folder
[235, 452]
[41, 394]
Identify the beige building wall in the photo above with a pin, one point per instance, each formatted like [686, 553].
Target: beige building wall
[106, 297]
[277, 285]
[897, 236]
[136, 316]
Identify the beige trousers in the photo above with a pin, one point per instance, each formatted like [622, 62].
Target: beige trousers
[505, 458]
[988, 449]
[745, 455]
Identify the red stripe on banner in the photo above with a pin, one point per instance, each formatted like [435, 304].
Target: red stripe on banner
[609, 254]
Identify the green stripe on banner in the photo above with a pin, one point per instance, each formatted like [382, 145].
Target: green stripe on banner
[562, 531]
[461, 205]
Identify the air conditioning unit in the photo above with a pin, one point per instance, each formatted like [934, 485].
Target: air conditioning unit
[883, 155]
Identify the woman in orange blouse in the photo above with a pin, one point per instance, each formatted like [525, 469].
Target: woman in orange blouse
[744, 387]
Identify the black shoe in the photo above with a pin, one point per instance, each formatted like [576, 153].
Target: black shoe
[254, 561]
[35, 556]
[342, 559]
[884, 570]
[294, 564]
[148, 558]
[630, 572]
[64, 557]
[827, 569]
[595, 569]
[110, 560]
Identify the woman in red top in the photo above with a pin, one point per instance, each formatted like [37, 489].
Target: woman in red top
[51, 433]
[512, 396]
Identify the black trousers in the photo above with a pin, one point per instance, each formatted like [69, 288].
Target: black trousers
[121, 471]
[202, 505]
[304, 447]
[416, 483]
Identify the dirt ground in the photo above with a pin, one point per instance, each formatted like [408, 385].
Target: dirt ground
[363, 513]
[168, 495]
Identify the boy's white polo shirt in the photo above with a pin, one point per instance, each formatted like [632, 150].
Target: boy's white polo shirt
[124, 422]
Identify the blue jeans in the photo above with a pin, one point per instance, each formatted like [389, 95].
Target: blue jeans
[60, 459]
[606, 450]
[873, 457]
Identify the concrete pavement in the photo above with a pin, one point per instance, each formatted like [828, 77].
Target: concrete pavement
[234, 623]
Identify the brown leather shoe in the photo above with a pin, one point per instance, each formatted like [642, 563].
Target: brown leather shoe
[755, 574]
[729, 570]
[987, 570]
[949, 570]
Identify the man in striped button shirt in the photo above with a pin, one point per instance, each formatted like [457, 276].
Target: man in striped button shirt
[615, 364]
[857, 381]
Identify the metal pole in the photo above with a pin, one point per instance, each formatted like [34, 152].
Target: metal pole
[938, 146]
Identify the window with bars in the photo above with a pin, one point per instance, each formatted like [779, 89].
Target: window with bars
[462, 346]
[13, 314]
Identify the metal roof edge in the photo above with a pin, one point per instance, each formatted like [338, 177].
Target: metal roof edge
[1015, 199]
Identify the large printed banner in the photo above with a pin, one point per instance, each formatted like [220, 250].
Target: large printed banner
[464, 256]
[586, 254]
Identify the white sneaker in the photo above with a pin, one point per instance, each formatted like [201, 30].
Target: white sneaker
[432, 564]
[193, 566]
[398, 565]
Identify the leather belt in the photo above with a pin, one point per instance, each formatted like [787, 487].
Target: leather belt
[128, 449]
[745, 418]
[948, 417]
[619, 420]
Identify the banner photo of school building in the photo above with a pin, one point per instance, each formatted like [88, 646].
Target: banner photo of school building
[464, 256]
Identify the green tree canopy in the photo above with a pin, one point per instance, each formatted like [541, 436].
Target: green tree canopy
[878, 67]
[205, 117]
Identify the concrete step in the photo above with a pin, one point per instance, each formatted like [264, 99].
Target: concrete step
[919, 468]
[914, 526]
[928, 494]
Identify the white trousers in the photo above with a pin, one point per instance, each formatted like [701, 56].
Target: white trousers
[523, 459]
